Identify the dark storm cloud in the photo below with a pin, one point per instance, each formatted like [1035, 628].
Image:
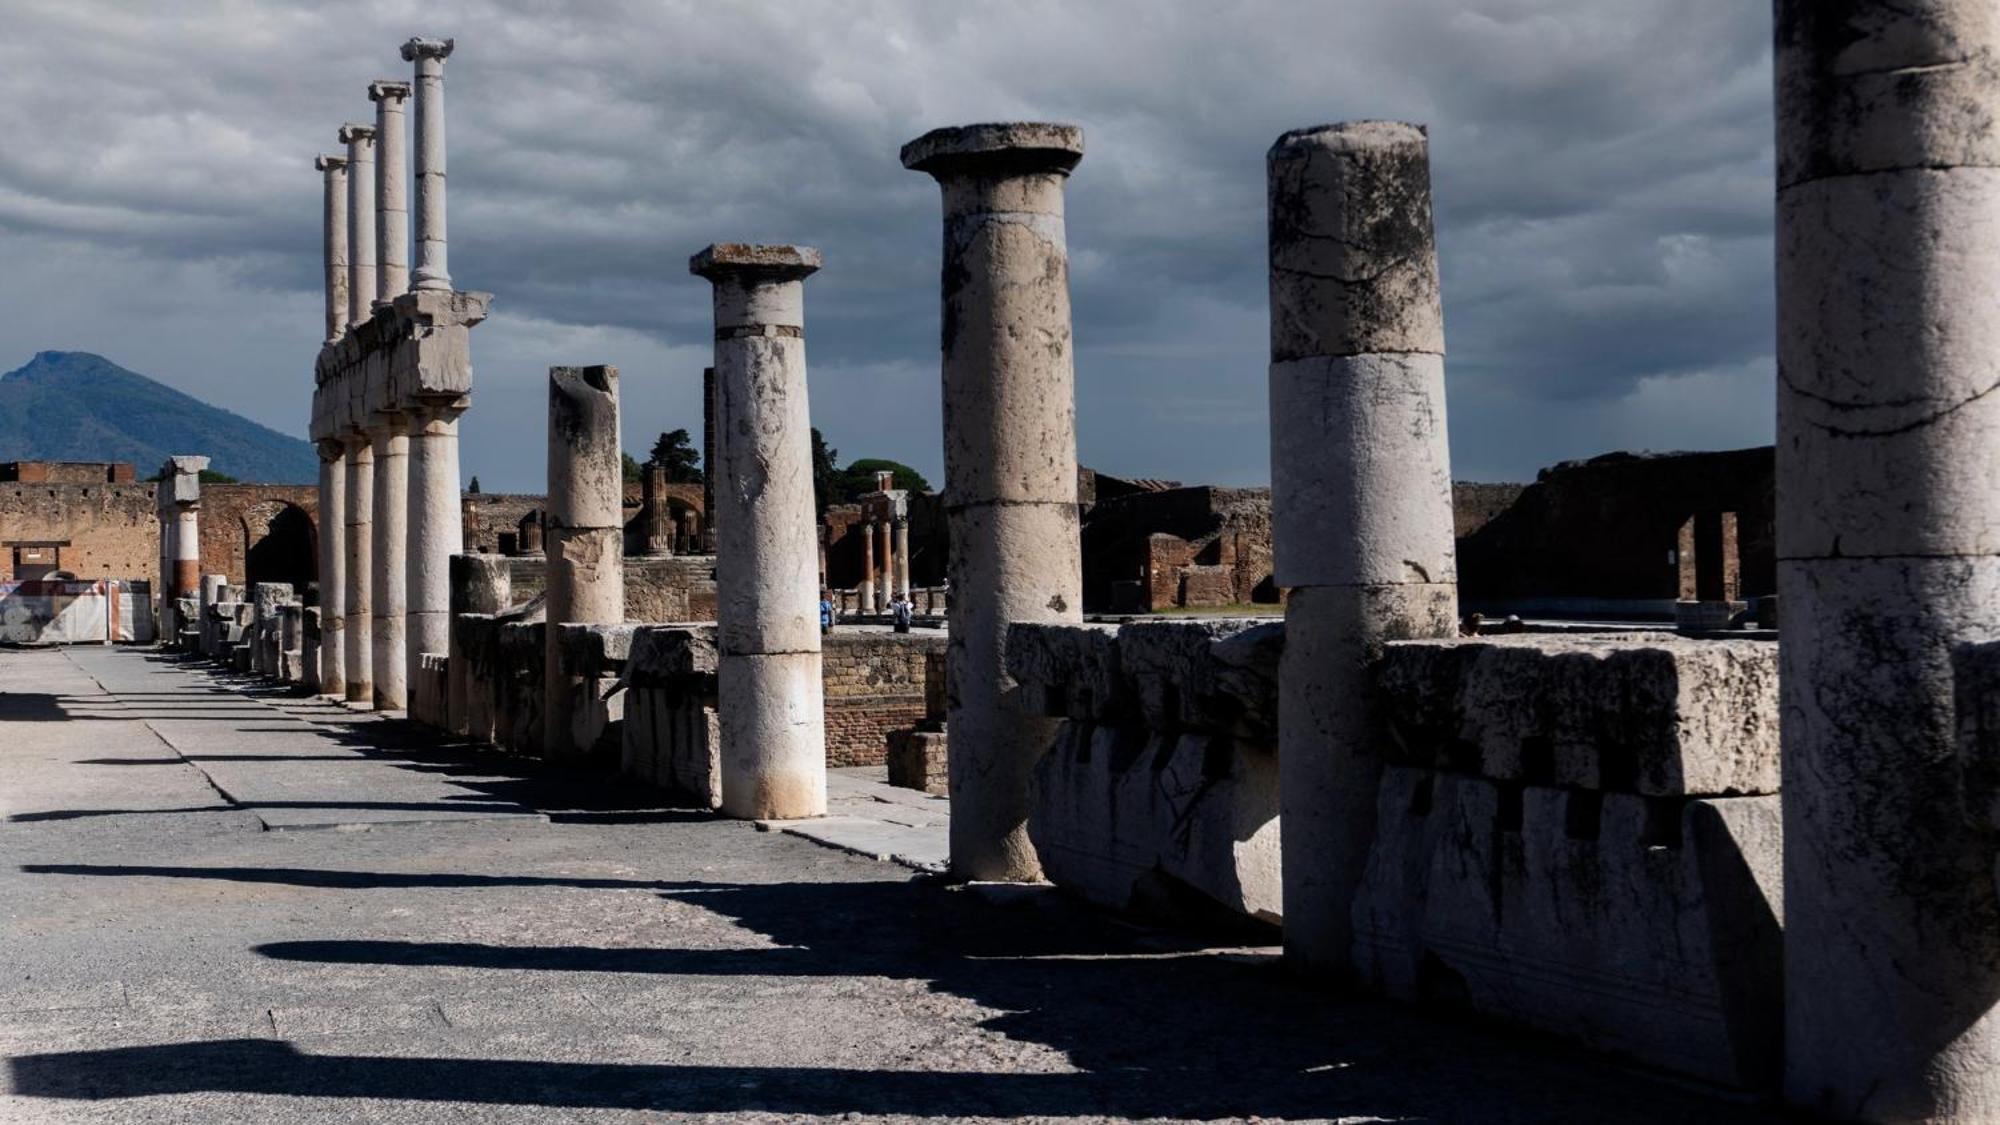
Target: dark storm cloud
[1601, 167]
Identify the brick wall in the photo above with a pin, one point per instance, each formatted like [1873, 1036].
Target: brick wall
[874, 684]
[109, 530]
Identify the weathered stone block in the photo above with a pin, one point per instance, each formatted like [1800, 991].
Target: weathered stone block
[916, 760]
[1649, 714]
[1650, 927]
[1072, 670]
[1217, 676]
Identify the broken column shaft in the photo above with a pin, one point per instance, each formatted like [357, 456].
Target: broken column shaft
[1010, 461]
[362, 280]
[359, 618]
[585, 535]
[1888, 258]
[392, 187]
[770, 697]
[332, 568]
[479, 584]
[429, 55]
[334, 225]
[1360, 488]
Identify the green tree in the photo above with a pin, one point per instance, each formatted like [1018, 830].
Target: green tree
[824, 471]
[630, 468]
[858, 478]
[676, 451]
[474, 486]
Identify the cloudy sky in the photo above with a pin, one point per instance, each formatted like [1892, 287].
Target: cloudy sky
[1602, 175]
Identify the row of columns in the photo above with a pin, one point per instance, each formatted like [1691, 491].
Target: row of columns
[885, 562]
[389, 487]
[177, 505]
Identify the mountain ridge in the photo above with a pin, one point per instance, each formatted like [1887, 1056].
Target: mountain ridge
[80, 406]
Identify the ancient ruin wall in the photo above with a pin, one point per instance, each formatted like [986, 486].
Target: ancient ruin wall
[874, 684]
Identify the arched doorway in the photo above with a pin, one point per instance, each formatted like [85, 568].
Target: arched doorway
[278, 547]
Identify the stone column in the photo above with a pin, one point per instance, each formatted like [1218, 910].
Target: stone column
[392, 186]
[388, 566]
[585, 536]
[163, 595]
[867, 567]
[708, 460]
[334, 224]
[1360, 487]
[436, 526]
[429, 55]
[1010, 461]
[769, 693]
[1888, 254]
[528, 540]
[362, 280]
[902, 526]
[360, 586]
[479, 584]
[333, 568]
[888, 593]
[657, 522]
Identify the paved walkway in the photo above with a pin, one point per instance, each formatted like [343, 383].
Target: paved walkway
[218, 904]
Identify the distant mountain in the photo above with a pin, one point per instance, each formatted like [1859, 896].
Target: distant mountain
[75, 406]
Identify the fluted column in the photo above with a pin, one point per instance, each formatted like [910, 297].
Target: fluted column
[388, 573]
[436, 527]
[770, 699]
[332, 568]
[1888, 478]
[392, 187]
[1010, 461]
[429, 55]
[334, 225]
[360, 550]
[362, 280]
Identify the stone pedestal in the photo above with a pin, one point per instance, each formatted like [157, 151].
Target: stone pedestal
[585, 536]
[1888, 444]
[771, 704]
[1361, 506]
[1010, 460]
[332, 568]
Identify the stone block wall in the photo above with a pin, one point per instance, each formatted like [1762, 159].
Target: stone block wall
[1160, 792]
[671, 737]
[875, 683]
[1583, 836]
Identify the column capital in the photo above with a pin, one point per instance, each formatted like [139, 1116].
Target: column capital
[355, 133]
[327, 163]
[331, 449]
[997, 148]
[388, 89]
[755, 261]
[421, 48]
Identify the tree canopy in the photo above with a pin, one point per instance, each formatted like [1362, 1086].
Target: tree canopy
[676, 452]
[858, 478]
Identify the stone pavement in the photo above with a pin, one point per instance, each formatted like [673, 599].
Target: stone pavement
[221, 905]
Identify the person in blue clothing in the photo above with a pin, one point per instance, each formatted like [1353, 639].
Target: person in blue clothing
[825, 614]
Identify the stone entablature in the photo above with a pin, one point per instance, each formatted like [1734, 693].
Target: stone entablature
[415, 350]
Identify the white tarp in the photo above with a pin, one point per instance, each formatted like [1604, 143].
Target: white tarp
[61, 612]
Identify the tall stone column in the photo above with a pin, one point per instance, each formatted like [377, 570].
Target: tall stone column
[388, 563]
[180, 539]
[1888, 253]
[867, 568]
[163, 596]
[769, 694]
[334, 224]
[392, 187]
[429, 55]
[362, 280]
[708, 460]
[902, 525]
[888, 594]
[1360, 487]
[436, 526]
[360, 600]
[332, 568]
[585, 536]
[1010, 461]
[656, 520]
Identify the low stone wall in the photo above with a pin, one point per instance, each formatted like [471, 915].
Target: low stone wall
[1160, 792]
[671, 737]
[1584, 836]
[673, 588]
[875, 683]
